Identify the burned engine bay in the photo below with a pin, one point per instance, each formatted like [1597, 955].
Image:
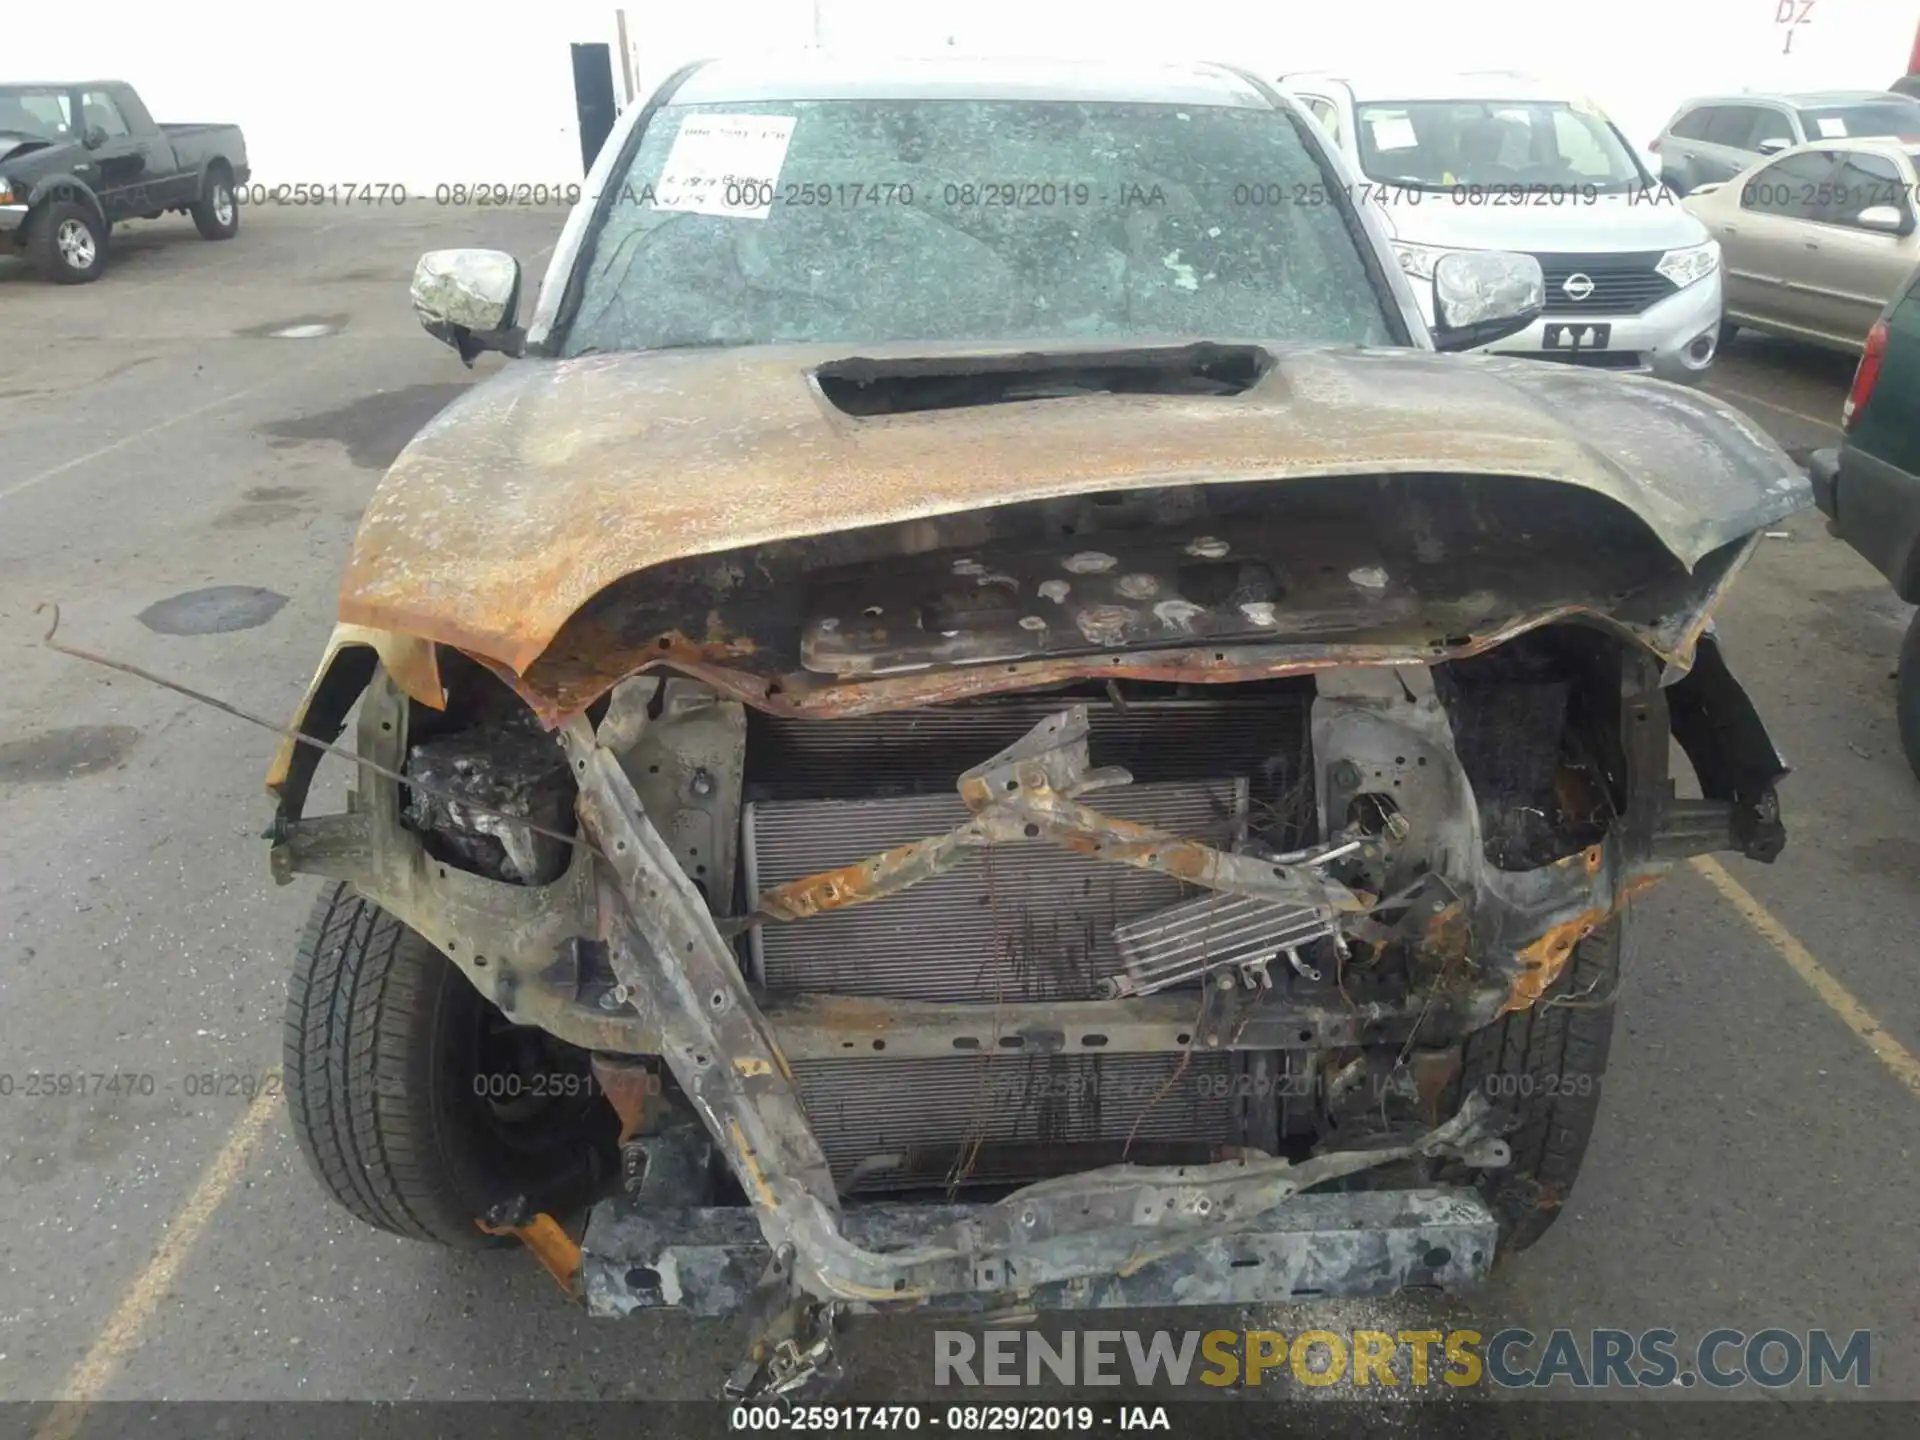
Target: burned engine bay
[1038, 896]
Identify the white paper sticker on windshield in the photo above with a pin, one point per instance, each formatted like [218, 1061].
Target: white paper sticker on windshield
[725, 165]
[1393, 132]
[1832, 127]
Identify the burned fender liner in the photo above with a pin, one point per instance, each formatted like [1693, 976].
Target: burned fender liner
[1738, 766]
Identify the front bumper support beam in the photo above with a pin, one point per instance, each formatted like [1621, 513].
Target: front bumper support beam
[1370, 1243]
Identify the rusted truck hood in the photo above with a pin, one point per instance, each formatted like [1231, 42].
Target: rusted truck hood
[552, 479]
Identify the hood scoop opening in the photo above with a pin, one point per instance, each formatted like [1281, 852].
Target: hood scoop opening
[866, 388]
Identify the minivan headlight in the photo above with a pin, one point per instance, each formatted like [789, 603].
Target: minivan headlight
[1696, 262]
[1418, 260]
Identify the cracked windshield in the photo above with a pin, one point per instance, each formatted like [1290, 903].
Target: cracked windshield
[878, 221]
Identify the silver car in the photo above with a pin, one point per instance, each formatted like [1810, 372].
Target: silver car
[1714, 138]
[1815, 241]
[1496, 161]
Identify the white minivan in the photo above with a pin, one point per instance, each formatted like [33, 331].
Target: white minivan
[1495, 161]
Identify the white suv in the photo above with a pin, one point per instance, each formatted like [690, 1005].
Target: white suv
[1494, 161]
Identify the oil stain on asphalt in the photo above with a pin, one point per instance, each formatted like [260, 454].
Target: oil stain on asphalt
[264, 505]
[374, 428]
[217, 610]
[65, 754]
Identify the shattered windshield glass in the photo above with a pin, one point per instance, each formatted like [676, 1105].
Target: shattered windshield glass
[867, 221]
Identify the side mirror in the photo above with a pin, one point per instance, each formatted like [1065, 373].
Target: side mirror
[1774, 146]
[1484, 295]
[467, 299]
[93, 137]
[1888, 219]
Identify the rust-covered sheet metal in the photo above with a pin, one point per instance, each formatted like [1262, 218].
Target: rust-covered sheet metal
[553, 479]
[412, 661]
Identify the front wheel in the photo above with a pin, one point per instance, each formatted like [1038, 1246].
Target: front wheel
[418, 1105]
[69, 244]
[1544, 1066]
[1907, 698]
[216, 214]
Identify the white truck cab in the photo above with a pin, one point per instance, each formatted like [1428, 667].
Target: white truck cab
[1497, 161]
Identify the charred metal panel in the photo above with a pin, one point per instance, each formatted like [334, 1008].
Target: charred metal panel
[1024, 921]
[686, 764]
[634, 461]
[1017, 923]
[994, 1118]
[1367, 1243]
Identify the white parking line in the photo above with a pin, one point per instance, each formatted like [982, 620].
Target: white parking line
[21, 486]
[1730, 393]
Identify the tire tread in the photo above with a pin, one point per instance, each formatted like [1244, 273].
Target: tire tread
[362, 988]
[1549, 1139]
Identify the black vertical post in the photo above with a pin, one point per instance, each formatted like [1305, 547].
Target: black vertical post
[593, 98]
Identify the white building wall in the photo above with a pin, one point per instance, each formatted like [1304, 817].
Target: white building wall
[422, 92]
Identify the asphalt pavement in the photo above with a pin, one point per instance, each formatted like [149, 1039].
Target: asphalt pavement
[184, 481]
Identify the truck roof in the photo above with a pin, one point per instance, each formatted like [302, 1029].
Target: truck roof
[6, 85]
[813, 75]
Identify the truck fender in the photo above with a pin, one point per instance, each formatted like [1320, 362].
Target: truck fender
[65, 187]
[214, 162]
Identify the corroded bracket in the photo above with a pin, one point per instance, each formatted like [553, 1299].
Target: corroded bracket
[556, 1251]
[1029, 792]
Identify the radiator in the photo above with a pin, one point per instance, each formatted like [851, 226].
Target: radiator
[1018, 922]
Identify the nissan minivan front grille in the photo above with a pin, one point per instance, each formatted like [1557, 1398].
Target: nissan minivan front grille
[1603, 285]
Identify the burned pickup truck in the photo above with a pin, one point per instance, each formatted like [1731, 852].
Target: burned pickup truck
[925, 747]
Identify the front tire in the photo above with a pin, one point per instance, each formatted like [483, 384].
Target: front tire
[1907, 697]
[1544, 1065]
[69, 244]
[216, 214]
[390, 1059]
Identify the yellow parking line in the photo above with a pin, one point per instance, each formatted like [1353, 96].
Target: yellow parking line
[1857, 1018]
[1727, 392]
[123, 1329]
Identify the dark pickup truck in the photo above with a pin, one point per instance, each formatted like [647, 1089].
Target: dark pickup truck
[77, 158]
